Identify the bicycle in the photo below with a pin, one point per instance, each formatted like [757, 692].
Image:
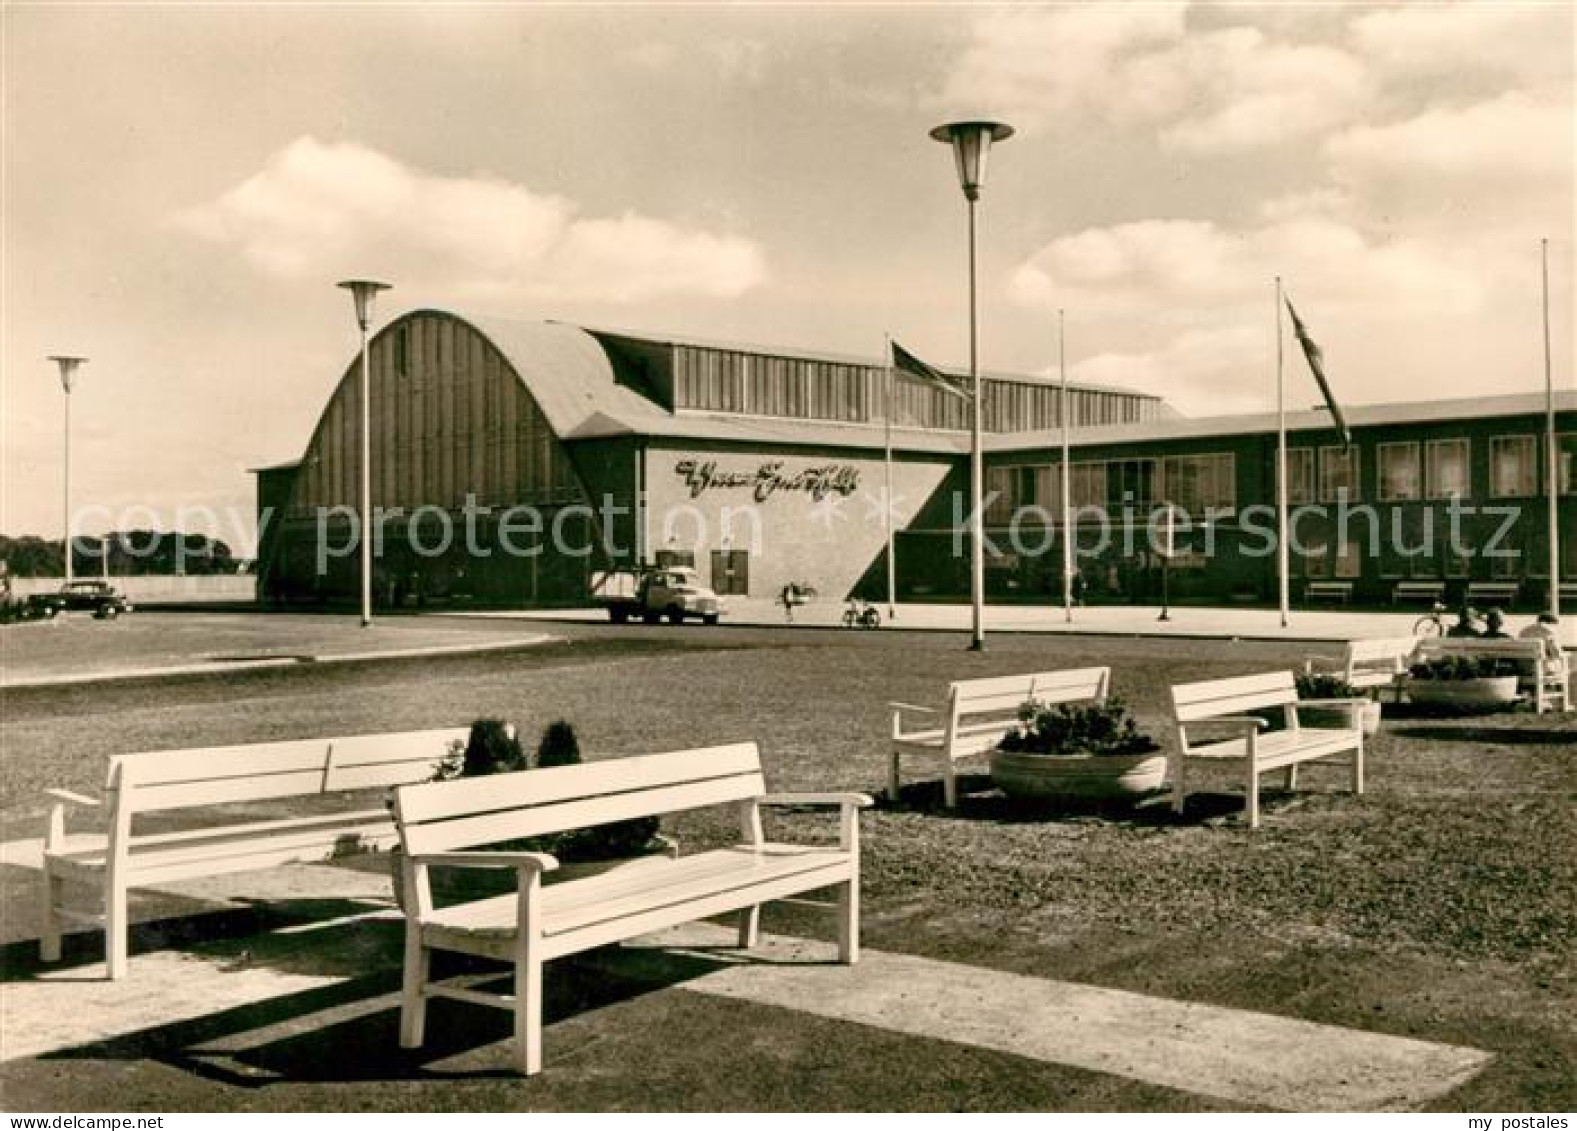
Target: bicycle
[861, 614]
[1433, 622]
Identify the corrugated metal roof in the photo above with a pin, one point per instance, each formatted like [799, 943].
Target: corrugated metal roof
[1262, 423]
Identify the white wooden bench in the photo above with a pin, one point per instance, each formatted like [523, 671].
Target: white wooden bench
[978, 713]
[219, 842]
[1328, 591]
[1547, 676]
[1222, 705]
[1429, 591]
[1369, 665]
[446, 823]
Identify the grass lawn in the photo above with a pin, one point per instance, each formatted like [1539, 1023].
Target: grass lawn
[1442, 904]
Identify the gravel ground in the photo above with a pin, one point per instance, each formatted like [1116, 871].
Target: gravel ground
[1443, 903]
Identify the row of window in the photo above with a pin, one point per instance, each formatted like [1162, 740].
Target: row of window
[1195, 482]
[798, 388]
[1433, 469]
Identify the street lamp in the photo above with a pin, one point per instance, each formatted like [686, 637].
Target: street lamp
[68, 369]
[363, 291]
[971, 141]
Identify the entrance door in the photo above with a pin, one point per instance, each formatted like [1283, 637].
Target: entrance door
[731, 573]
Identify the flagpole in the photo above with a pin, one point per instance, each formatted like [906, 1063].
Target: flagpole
[1067, 468]
[1552, 484]
[887, 503]
[1283, 580]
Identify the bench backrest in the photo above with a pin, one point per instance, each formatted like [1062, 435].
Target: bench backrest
[468, 812]
[1432, 648]
[1388, 653]
[1212, 698]
[181, 779]
[981, 705]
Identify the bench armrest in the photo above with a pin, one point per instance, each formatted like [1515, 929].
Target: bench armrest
[65, 795]
[849, 804]
[898, 710]
[1236, 722]
[855, 800]
[481, 858]
[55, 823]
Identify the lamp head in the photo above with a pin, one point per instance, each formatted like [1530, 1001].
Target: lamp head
[68, 367]
[970, 142]
[363, 291]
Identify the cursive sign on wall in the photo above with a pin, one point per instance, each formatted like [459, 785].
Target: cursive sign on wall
[769, 479]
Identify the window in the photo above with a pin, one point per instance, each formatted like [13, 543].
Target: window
[1446, 467]
[1300, 475]
[1338, 474]
[1349, 559]
[1398, 472]
[1196, 483]
[1566, 461]
[999, 495]
[1513, 467]
[1087, 486]
[1132, 481]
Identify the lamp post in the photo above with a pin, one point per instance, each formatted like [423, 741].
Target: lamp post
[363, 291]
[971, 141]
[68, 368]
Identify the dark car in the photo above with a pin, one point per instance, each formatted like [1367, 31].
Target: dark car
[97, 597]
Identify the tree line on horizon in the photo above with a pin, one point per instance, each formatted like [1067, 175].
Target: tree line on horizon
[132, 553]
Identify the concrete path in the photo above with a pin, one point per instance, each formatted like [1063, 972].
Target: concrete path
[213, 666]
[1108, 620]
[1236, 1056]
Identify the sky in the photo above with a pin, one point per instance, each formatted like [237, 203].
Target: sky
[183, 186]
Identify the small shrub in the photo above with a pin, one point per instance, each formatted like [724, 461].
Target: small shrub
[1102, 729]
[1322, 685]
[492, 748]
[560, 747]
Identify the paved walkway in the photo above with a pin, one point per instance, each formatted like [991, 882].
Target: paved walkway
[1110, 620]
[76, 649]
[1238, 1057]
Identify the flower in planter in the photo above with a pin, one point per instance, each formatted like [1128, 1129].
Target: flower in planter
[1452, 668]
[1100, 729]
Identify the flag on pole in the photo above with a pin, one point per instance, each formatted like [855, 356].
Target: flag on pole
[1316, 360]
[909, 363]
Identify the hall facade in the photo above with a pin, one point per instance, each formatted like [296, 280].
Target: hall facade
[513, 460]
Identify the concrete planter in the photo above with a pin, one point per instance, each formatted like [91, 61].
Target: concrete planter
[1084, 777]
[1487, 694]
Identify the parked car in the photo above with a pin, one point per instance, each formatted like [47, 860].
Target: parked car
[97, 597]
[675, 592]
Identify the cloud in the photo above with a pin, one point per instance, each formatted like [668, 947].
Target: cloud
[1133, 66]
[1208, 371]
[321, 210]
[1509, 139]
[1035, 65]
[1256, 92]
[1520, 39]
[1196, 297]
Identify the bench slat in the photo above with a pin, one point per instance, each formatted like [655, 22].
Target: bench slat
[440, 800]
[534, 820]
[1193, 702]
